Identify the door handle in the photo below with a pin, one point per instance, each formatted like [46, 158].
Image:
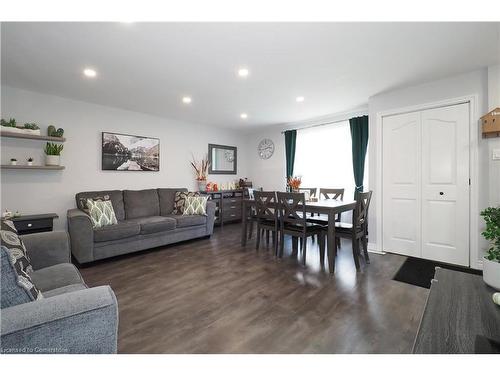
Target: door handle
[441, 193]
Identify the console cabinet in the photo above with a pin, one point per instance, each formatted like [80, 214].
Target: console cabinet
[229, 204]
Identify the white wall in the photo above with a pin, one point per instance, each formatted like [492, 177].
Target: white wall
[494, 143]
[473, 83]
[32, 191]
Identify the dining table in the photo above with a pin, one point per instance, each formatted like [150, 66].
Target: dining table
[329, 207]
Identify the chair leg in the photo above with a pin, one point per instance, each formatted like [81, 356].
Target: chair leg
[365, 248]
[282, 244]
[257, 244]
[267, 237]
[295, 243]
[355, 251]
[321, 240]
[275, 242]
[304, 248]
[337, 243]
[250, 229]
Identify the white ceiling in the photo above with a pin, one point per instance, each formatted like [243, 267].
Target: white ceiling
[148, 67]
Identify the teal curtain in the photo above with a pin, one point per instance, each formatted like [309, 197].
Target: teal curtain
[290, 141]
[359, 135]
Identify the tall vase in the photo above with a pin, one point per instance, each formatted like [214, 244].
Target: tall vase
[202, 185]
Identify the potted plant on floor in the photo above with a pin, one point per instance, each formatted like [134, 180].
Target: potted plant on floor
[491, 260]
[201, 172]
[53, 153]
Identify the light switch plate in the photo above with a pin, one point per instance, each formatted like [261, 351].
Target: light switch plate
[496, 154]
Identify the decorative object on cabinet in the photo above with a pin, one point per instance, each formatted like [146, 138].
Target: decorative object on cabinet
[13, 161]
[26, 224]
[491, 260]
[244, 183]
[222, 159]
[53, 154]
[228, 205]
[201, 169]
[491, 123]
[265, 149]
[123, 152]
[52, 132]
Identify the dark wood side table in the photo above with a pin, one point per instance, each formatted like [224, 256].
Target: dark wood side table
[459, 316]
[27, 224]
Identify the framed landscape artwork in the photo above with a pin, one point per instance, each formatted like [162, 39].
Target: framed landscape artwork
[123, 152]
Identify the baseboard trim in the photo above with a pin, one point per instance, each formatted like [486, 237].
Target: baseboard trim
[372, 248]
[479, 265]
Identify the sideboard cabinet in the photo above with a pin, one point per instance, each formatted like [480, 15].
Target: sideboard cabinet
[229, 204]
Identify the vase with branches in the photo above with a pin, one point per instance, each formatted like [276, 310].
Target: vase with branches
[294, 183]
[201, 171]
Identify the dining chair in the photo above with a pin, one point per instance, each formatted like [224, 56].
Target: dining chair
[266, 217]
[293, 222]
[358, 230]
[311, 191]
[252, 213]
[327, 193]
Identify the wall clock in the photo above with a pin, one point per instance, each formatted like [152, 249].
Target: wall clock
[265, 148]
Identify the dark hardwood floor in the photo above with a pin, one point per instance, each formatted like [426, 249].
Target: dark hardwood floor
[213, 296]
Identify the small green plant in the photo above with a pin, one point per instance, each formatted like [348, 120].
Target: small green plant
[13, 159]
[10, 124]
[31, 125]
[53, 149]
[491, 216]
[30, 159]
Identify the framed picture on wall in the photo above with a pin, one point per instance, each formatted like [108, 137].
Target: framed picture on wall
[123, 152]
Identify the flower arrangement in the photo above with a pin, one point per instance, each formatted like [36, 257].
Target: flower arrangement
[294, 182]
[200, 168]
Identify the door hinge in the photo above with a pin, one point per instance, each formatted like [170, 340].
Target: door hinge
[469, 181]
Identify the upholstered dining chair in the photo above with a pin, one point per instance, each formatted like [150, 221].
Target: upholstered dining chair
[266, 217]
[293, 222]
[358, 230]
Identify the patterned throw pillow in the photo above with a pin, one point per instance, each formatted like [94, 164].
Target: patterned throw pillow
[84, 205]
[196, 206]
[180, 200]
[19, 258]
[101, 213]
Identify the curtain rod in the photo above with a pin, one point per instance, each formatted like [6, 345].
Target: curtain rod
[320, 124]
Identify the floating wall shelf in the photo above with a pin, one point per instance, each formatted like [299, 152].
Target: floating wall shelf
[39, 167]
[5, 134]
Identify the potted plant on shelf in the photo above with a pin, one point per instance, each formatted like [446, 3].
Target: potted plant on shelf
[31, 128]
[29, 161]
[201, 172]
[491, 260]
[13, 161]
[53, 153]
[294, 183]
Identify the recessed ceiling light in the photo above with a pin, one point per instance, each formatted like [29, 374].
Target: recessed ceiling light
[299, 99]
[186, 100]
[88, 72]
[243, 72]
[244, 116]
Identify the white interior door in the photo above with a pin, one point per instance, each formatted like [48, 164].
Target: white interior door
[445, 184]
[401, 181]
[426, 184]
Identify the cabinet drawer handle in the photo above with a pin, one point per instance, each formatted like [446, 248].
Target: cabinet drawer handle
[233, 215]
[30, 225]
[233, 206]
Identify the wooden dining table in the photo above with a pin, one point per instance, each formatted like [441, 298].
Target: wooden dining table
[329, 207]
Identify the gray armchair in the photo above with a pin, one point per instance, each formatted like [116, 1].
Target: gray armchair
[71, 318]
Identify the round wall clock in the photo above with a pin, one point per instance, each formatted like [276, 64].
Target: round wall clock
[265, 148]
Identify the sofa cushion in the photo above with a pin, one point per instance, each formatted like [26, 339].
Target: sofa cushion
[101, 213]
[141, 203]
[180, 200]
[189, 220]
[154, 224]
[196, 206]
[167, 199]
[115, 196]
[63, 290]
[13, 292]
[57, 276]
[123, 229]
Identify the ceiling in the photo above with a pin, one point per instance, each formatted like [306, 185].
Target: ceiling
[149, 67]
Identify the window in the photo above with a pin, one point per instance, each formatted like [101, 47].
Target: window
[323, 157]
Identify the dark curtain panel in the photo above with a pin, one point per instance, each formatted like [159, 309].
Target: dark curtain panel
[290, 140]
[359, 135]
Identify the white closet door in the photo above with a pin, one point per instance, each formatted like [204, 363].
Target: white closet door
[401, 184]
[445, 184]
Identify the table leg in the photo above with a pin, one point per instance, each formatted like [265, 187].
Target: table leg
[331, 242]
[244, 225]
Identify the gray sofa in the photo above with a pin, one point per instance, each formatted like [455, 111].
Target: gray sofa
[71, 318]
[145, 220]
